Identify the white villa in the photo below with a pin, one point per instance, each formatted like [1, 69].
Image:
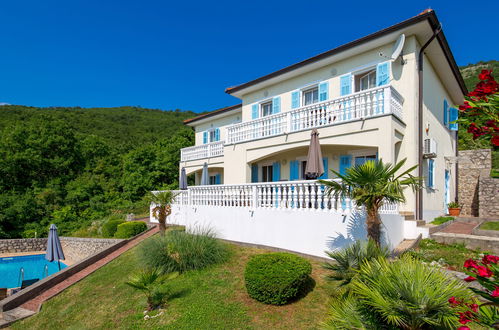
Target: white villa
[368, 99]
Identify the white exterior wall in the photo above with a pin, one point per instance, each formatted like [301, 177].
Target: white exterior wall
[309, 232]
[221, 123]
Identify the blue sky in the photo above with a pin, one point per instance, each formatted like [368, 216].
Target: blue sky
[183, 54]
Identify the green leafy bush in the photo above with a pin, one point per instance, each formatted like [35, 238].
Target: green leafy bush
[180, 251]
[109, 228]
[276, 278]
[403, 294]
[130, 229]
[441, 220]
[347, 261]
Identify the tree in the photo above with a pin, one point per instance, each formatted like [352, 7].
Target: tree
[371, 185]
[162, 207]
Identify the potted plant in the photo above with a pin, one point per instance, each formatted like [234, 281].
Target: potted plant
[454, 209]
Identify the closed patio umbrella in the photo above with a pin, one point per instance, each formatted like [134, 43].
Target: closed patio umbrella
[54, 248]
[182, 185]
[204, 175]
[315, 167]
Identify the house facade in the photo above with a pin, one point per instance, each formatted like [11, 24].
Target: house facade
[366, 103]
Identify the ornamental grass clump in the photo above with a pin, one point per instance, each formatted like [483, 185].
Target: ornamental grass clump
[277, 278]
[400, 294]
[180, 251]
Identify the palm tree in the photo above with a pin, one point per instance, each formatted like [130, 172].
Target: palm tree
[162, 207]
[148, 281]
[371, 185]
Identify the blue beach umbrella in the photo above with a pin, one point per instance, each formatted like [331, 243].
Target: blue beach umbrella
[54, 248]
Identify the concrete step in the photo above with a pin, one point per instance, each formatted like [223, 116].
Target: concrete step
[407, 215]
[14, 315]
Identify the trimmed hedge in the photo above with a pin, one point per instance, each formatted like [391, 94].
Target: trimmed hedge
[276, 278]
[130, 229]
[109, 228]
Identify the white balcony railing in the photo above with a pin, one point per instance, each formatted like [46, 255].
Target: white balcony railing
[213, 149]
[288, 195]
[370, 103]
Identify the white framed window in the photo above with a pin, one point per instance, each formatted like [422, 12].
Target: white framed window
[211, 135]
[365, 80]
[266, 109]
[311, 95]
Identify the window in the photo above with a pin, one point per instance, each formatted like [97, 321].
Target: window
[267, 173]
[365, 80]
[362, 159]
[311, 96]
[431, 173]
[213, 179]
[266, 109]
[211, 135]
[303, 167]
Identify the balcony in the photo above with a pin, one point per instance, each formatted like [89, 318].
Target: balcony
[208, 150]
[306, 195]
[361, 105]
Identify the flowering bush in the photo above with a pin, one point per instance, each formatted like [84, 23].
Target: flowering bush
[480, 112]
[485, 272]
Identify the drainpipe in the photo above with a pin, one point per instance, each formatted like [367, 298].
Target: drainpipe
[419, 195]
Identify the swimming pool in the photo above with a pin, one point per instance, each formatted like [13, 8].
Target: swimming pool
[34, 266]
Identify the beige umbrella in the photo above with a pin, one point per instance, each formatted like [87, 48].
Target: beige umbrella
[315, 167]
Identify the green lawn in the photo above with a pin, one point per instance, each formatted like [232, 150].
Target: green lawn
[214, 298]
[451, 256]
[491, 225]
[440, 220]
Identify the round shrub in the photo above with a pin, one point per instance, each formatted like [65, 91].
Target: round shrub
[130, 229]
[109, 228]
[276, 278]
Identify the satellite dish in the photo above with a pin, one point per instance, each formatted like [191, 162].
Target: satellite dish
[397, 48]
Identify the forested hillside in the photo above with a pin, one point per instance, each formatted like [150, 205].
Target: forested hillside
[470, 72]
[72, 166]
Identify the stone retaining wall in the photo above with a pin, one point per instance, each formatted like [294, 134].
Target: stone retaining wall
[22, 245]
[473, 165]
[488, 196]
[75, 248]
[484, 243]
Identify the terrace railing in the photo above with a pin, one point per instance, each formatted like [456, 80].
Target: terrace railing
[365, 104]
[309, 195]
[208, 150]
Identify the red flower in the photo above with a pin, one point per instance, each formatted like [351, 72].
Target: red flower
[465, 106]
[495, 293]
[495, 140]
[484, 271]
[488, 259]
[470, 279]
[473, 307]
[454, 301]
[485, 75]
[465, 317]
[470, 263]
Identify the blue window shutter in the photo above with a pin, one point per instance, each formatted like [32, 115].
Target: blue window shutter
[205, 137]
[431, 165]
[345, 84]
[276, 171]
[276, 104]
[218, 179]
[323, 91]
[254, 173]
[446, 113]
[383, 74]
[217, 134]
[359, 161]
[326, 170]
[295, 99]
[453, 117]
[254, 111]
[345, 163]
[293, 170]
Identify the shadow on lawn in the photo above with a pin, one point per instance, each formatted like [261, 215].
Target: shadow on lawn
[307, 287]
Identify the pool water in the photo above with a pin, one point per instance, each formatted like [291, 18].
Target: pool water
[33, 265]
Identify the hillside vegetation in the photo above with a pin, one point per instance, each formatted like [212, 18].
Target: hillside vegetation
[73, 166]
